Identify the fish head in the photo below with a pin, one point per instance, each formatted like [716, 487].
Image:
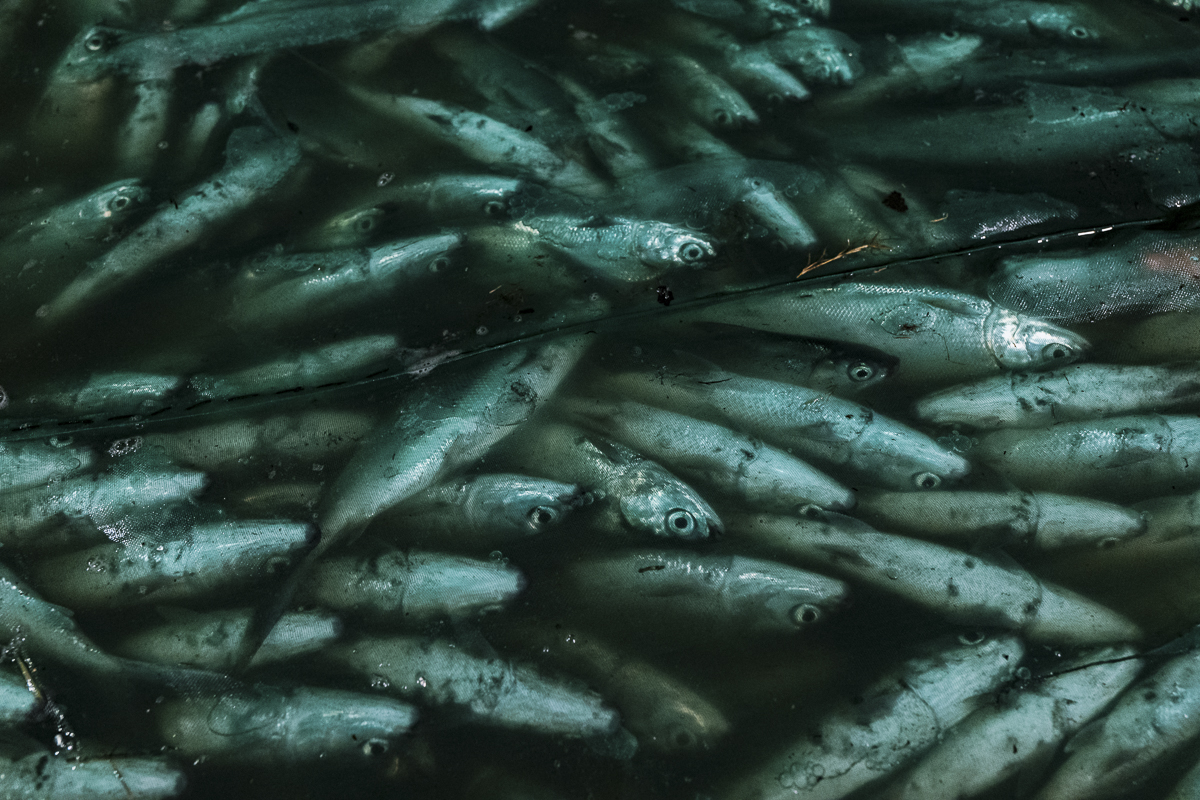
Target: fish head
[823, 54]
[662, 245]
[524, 504]
[118, 199]
[849, 374]
[939, 50]
[1058, 23]
[87, 58]
[658, 502]
[678, 721]
[348, 229]
[788, 599]
[1021, 342]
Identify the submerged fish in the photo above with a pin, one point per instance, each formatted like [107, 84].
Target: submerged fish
[893, 721]
[938, 335]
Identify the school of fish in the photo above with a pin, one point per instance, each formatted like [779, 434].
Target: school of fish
[540, 399]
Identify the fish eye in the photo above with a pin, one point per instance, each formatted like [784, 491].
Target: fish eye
[812, 511]
[375, 747]
[950, 36]
[684, 739]
[681, 522]
[805, 614]
[493, 208]
[1080, 32]
[542, 515]
[365, 224]
[927, 480]
[691, 251]
[721, 117]
[96, 42]
[972, 637]
[860, 371]
[1104, 544]
[277, 565]
[117, 203]
[439, 264]
[1056, 351]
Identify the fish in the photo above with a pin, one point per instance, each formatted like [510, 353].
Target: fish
[493, 507]
[1155, 271]
[348, 229]
[43, 776]
[256, 161]
[339, 362]
[743, 467]
[1076, 393]
[75, 511]
[491, 691]
[662, 711]
[980, 216]
[710, 100]
[1156, 718]
[29, 464]
[1041, 520]
[821, 54]
[266, 726]
[105, 395]
[696, 591]
[937, 334]
[1114, 457]
[209, 640]
[897, 718]
[206, 560]
[813, 425]
[483, 139]
[997, 741]
[396, 588]
[439, 430]
[964, 588]
[633, 492]
[273, 294]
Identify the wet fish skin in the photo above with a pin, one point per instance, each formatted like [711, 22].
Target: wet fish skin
[208, 640]
[41, 776]
[1078, 392]
[1155, 270]
[73, 223]
[33, 518]
[760, 475]
[637, 492]
[265, 726]
[208, 559]
[1039, 519]
[621, 248]
[663, 712]
[964, 588]
[353, 228]
[1117, 456]
[925, 328]
[488, 507]
[340, 361]
[821, 54]
[712, 102]
[336, 281]
[814, 425]
[1156, 718]
[396, 588]
[110, 394]
[17, 703]
[256, 160]
[709, 591]
[444, 428]
[28, 464]
[900, 716]
[491, 690]
[995, 742]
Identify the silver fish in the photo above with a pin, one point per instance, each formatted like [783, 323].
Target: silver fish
[1078, 392]
[814, 425]
[1155, 719]
[961, 587]
[396, 588]
[1116, 457]
[899, 717]
[264, 726]
[255, 162]
[704, 592]
[996, 741]
[1042, 520]
[26, 465]
[42, 776]
[492, 691]
[761, 475]
[112, 394]
[635, 492]
[937, 334]
[712, 102]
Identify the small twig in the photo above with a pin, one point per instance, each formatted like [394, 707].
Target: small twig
[848, 251]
